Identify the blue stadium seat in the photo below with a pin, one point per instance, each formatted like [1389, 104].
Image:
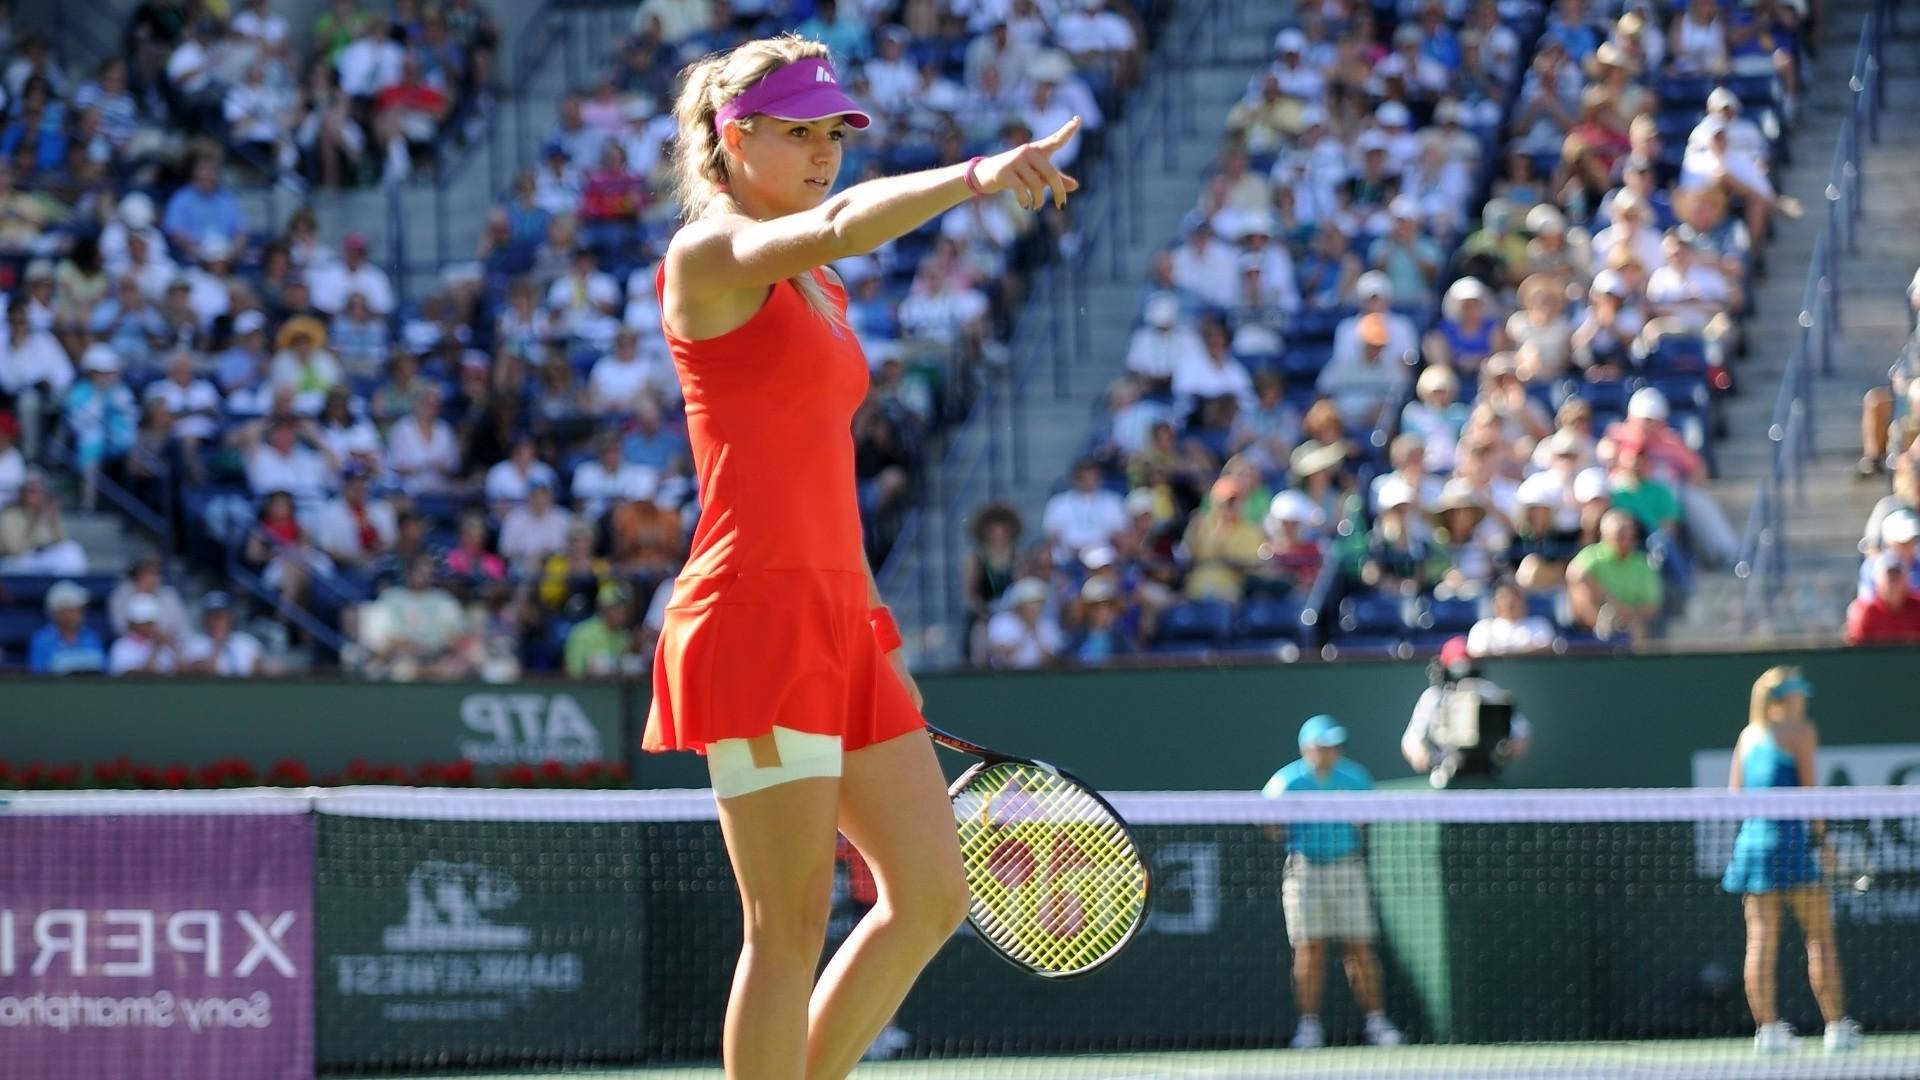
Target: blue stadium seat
[1269, 618]
[1678, 352]
[30, 590]
[1371, 615]
[1308, 326]
[17, 624]
[1606, 395]
[1303, 362]
[1454, 615]
[1684, 91]
[1198, 624]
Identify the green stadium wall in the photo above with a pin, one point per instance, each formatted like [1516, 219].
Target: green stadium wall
[1600, 721]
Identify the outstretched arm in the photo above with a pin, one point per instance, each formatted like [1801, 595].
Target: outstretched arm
[732, 251]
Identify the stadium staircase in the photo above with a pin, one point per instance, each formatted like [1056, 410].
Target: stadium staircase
[1072, 336]
[1823, 530]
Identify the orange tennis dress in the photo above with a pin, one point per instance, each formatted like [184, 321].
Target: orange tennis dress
[768, 622]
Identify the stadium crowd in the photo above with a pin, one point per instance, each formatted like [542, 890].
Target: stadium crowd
[1885, 609]
[1436, 352]
[492, 476]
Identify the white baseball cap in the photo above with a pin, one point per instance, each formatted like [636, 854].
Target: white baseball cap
[1647, 403]
[1900, 527]
[1723, 98]
[1590, 484]
[1373, 284]
[1027, 591]
[1540, 489]
[100, 357]
[1393, 492]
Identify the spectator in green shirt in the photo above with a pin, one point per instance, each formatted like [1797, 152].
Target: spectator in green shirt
[1652, 503]
[601, 644]
[1613, 589]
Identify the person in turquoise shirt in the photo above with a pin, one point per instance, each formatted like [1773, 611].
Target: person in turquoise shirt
[1323, 889]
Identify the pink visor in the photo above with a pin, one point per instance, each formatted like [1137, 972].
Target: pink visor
[803, 90]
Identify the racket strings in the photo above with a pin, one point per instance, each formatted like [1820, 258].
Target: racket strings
[1057, 882]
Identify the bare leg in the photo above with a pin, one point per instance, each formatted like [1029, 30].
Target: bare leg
[780, 841]
[1763, 948]
[1309, 975]
[1363, 974]
[1876, 416]
[893, 806]
[1815, 913]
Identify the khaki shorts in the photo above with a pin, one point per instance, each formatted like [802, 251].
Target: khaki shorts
[1326, 901]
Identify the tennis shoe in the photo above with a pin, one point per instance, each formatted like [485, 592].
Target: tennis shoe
[1774, 1038]
[1381, 1032]
[1308, 1036]
[1843, 1035]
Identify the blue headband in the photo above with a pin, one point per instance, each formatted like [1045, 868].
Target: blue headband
[1792, 684]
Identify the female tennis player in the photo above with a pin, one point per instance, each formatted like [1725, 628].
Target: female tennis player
[777, 659]
[1775, 863]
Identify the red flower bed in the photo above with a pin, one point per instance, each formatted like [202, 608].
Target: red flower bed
[124, 774]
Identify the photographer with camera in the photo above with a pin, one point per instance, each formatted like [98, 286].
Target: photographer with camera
[1464, 728]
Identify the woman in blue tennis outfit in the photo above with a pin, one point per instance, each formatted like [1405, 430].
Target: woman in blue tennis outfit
[1776, 864]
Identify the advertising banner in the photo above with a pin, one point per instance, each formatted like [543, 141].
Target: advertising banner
[475, 942]
[163, 947]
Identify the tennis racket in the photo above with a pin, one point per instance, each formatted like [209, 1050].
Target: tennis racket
[1059, 886]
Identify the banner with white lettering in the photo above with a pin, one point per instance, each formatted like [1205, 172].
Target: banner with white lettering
[164, 947]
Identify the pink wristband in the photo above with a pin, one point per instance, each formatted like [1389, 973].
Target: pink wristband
[972, 184]
[886, 632]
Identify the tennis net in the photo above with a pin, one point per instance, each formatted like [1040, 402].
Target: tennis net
[383, 932]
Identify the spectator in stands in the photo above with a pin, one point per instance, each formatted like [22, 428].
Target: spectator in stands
[1890, 613]
[145, 578]
[471, 560]
[1206, 266]
[1214, 374]
[220, 649]
[101, 415]
[355, 529]
[623, 377]
[509, 482]
[333, 281]
[415, 628]
[1022, 635]
[421, 447]
[584, 302]
[128, 322]
[202, 210]
[1162, 345]
[612, 197]
[1603, 341]
[1397, 556]
[359, 337]
[35, 375]
[1324, 890]
[1222, 546]
[1899, 537]
[602, 645]
[1467, 540]
[1084, 516]
[284, 455]
[607, 478]
[66, 645]
[1330, 270]
[331, 142]
[1613, 589]
[1673, 462]
[989, 570]
[408, 113]
[1367, 385]
[1509, 630]
[1561, 253]
[371, 62]
[1469, 329]
[260, 115]
[33, 535]
[192, 402]
[536, 529]
[1406, 254]
[1905, 496]
[145, 648]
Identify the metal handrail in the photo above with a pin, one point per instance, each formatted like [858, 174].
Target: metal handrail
[1762, 557]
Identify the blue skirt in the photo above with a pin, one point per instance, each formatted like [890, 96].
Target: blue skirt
[1771, 856]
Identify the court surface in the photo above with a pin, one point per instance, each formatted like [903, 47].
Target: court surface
[1885, 1057]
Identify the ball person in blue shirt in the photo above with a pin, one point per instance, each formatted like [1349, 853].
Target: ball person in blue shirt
[1323, 890]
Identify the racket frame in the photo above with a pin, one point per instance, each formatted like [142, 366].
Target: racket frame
[987, 759]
